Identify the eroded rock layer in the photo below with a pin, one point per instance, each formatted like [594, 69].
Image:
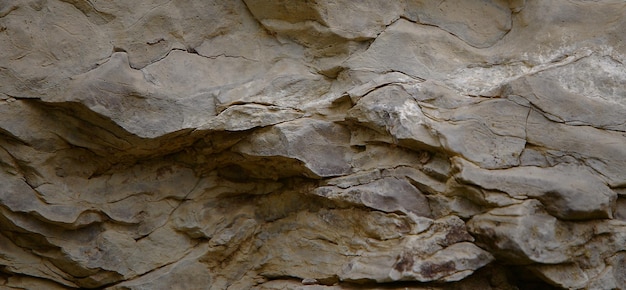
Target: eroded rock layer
[274, 144]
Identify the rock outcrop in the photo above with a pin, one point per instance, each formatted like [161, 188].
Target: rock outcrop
[250, 144]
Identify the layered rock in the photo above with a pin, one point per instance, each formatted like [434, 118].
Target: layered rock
[312, 144]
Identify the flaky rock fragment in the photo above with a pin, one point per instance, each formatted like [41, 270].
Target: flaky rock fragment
[525, 233]
[389, 194]
[467, 20]
[321, 146]
[43, 48]
[598, 149]
[558, 251]
[568, 276]
[391, 110]
[567, 192]
[404, 249]
[450, 264]
[490, 133]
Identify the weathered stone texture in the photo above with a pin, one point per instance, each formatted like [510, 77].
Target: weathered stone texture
[277, 144]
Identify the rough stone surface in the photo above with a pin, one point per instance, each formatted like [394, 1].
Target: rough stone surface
[277, 144]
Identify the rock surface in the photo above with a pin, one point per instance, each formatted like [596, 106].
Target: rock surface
[312, 144]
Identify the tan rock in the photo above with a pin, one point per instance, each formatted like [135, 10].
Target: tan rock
[388, 194]
[312, 144]
[304, 140]
[567, 192]
[467, 21]
[525, 233]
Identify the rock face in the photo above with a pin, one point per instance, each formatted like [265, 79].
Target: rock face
[275, 144]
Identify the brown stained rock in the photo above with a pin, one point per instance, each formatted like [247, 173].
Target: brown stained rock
[430, 270]
[405, 262]
[449, 264]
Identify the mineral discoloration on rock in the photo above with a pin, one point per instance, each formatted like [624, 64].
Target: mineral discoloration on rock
[312, 145]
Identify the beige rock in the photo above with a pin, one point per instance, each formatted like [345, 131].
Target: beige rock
[480, 23]
[567, 192]
[427, 52]
[578, 109]
[388, 194]
[26, 282]
[490, 133]
[304, 140]
[322, 144]
[568, 276]
[186, 273]
[288, 83]
[525, 233]
[306, 22]
[248, 116]
[380, 257]
[567, 254]
[35, 270]
[598, 149]
[41, 48]
[391, 110]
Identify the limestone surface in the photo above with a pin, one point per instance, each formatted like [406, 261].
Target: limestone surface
[327, 145]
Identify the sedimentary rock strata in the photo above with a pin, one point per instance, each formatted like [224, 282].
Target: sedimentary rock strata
[312, 144]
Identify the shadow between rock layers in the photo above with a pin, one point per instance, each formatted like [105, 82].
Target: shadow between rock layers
[312, 144]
